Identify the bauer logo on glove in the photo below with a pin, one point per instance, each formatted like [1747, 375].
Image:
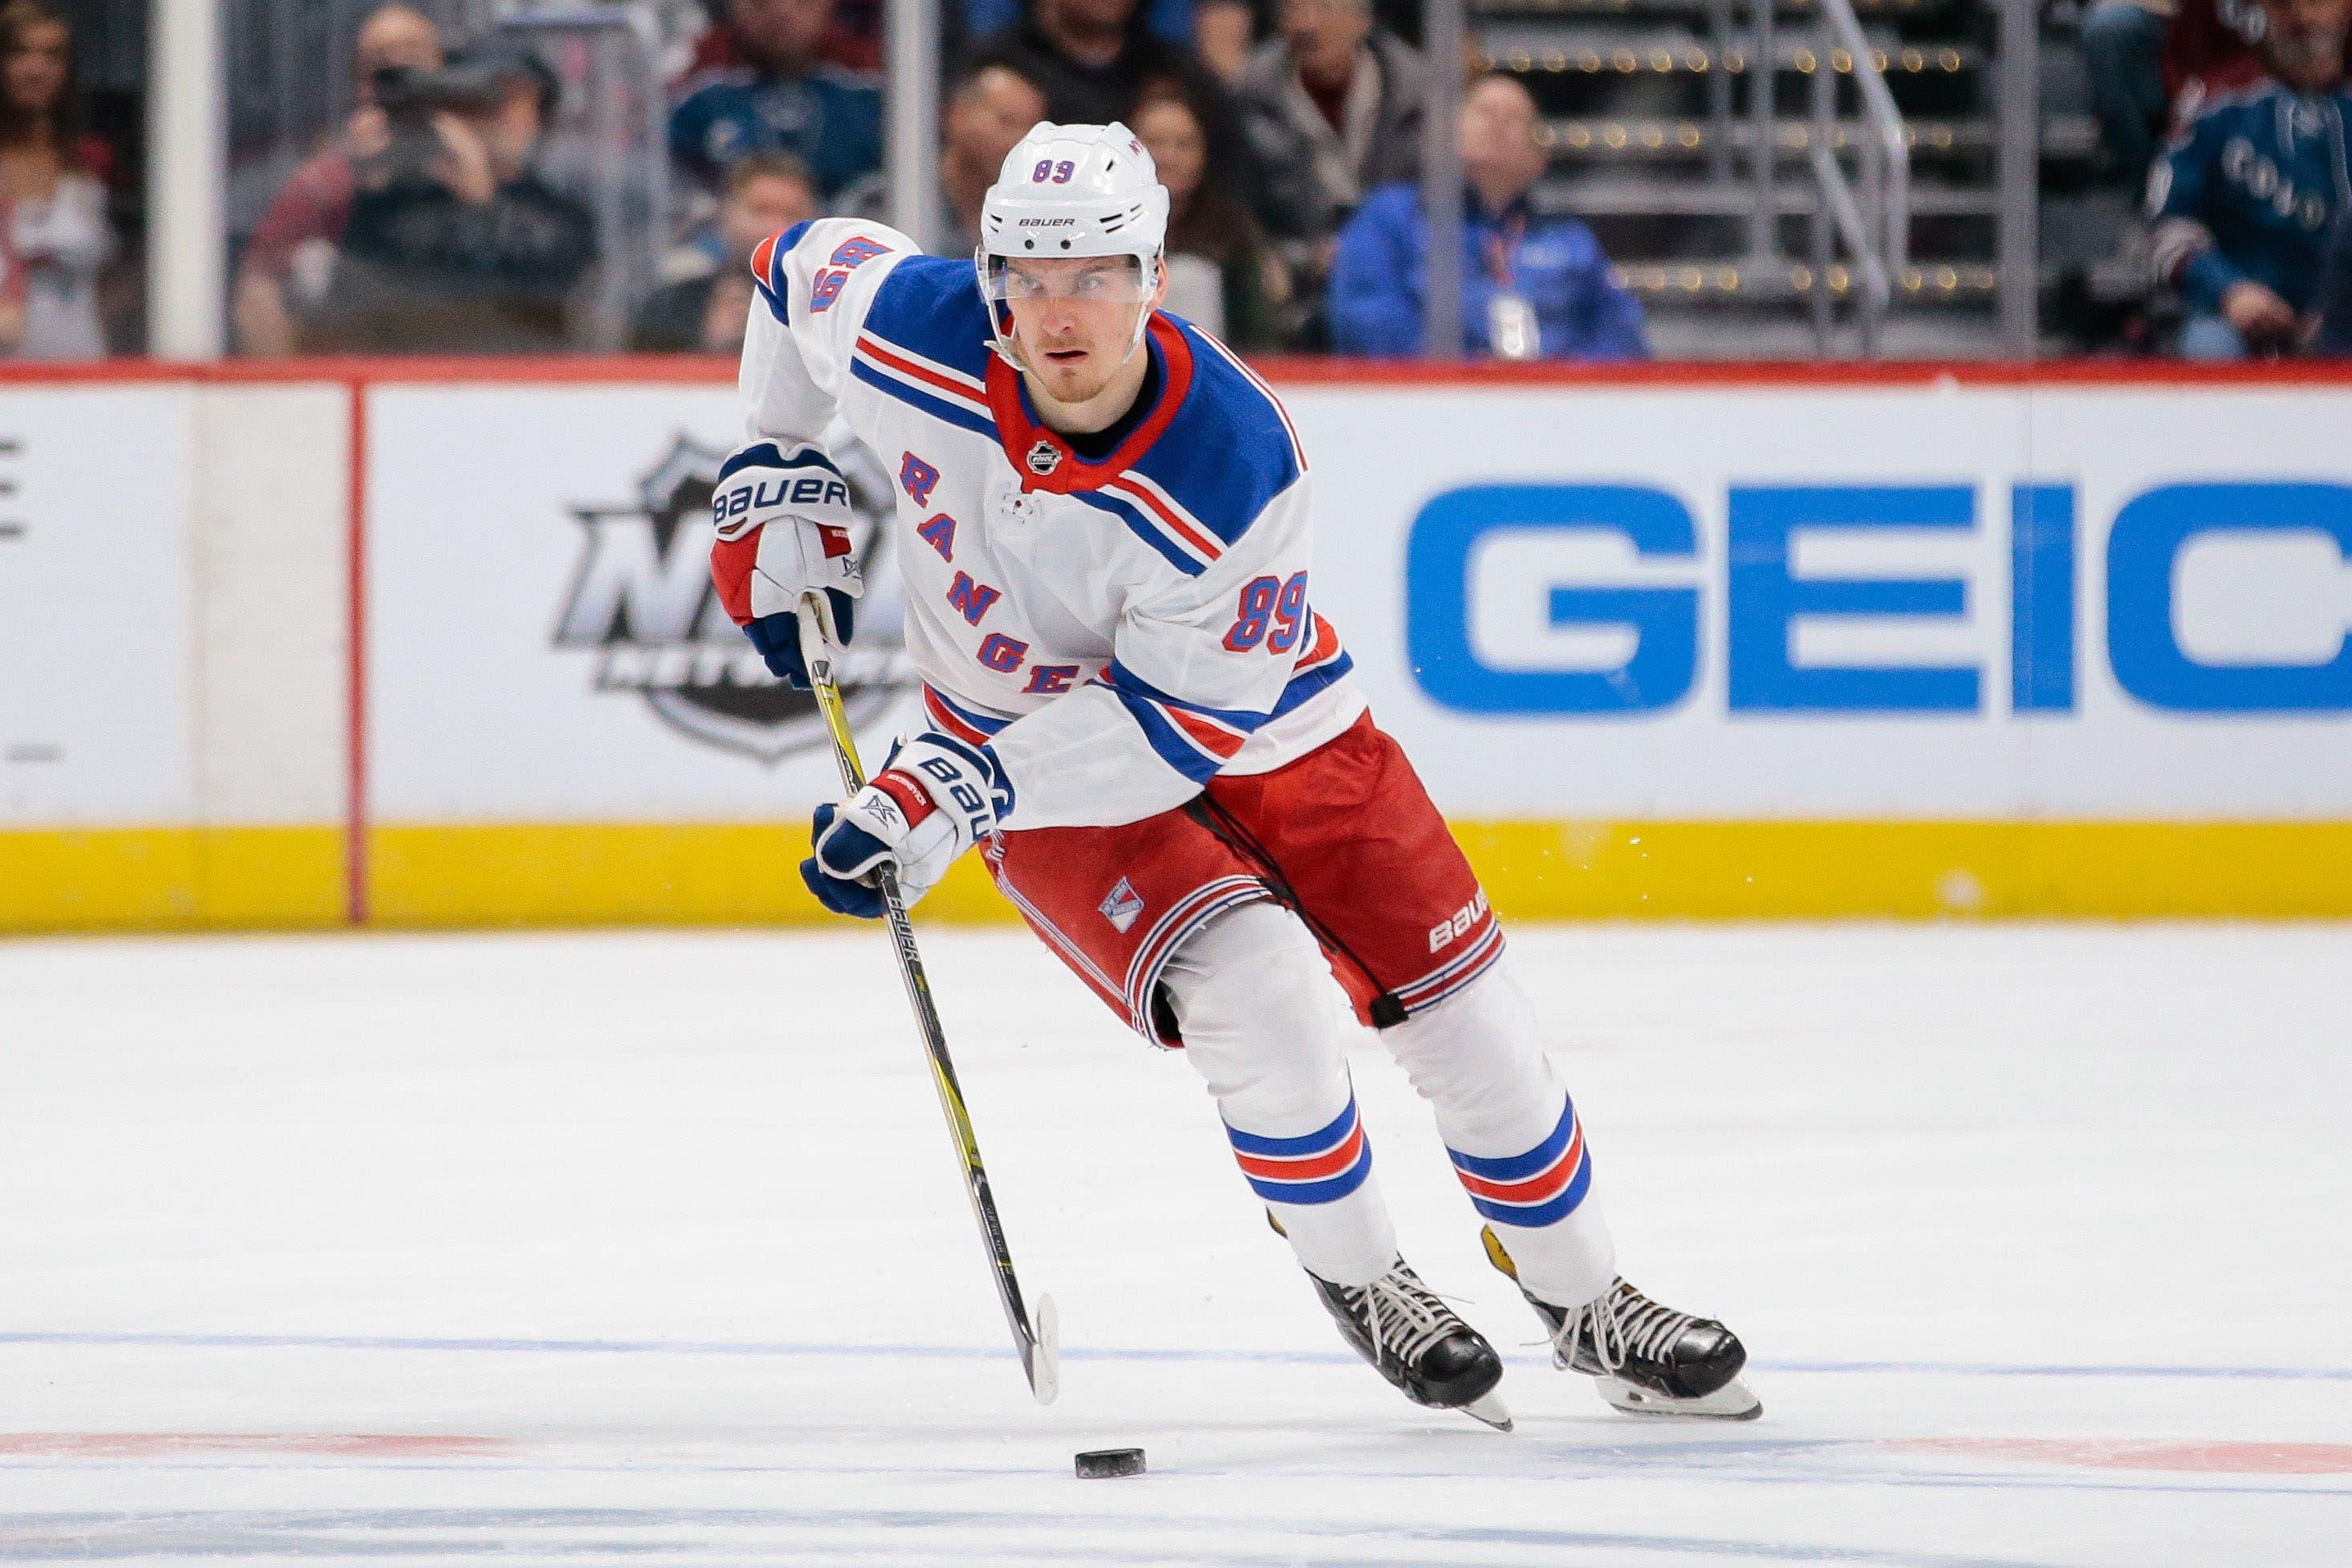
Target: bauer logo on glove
[935, 799]
[760, 492]
[783, 520]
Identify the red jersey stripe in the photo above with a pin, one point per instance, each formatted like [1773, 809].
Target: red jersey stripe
[1206, 544]
[944, 716]
[1213, 739]
[874, 349]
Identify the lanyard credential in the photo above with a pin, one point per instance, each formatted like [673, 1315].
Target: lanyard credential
[1511, 325]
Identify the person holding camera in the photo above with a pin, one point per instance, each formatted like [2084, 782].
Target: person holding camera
[455, 242]
[291, 253]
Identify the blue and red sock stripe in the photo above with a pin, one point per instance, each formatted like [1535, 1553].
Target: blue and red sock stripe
[1322, 1167]
[1542, 1186]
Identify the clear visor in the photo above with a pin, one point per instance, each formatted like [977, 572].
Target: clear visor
[1106, 279]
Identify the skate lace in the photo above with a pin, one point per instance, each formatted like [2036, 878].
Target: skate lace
[1619, 1325]
[1405, 1315]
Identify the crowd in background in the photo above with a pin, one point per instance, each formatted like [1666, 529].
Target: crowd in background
[2233, 114]
[1289, 133]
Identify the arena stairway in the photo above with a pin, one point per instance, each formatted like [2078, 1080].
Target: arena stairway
[1648, 112]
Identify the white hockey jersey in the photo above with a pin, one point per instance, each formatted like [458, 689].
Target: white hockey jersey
[1117, 631]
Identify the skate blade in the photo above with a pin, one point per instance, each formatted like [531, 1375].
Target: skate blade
[1489, 1408]
[1732, 1402]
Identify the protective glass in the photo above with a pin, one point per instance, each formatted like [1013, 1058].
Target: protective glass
[1104, 280]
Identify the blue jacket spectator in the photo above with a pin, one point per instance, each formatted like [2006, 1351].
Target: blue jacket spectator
[782, 100]
[2245, 199]
[1514, 264]
[1379, 282]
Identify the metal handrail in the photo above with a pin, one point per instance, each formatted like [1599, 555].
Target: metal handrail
[1874, 223]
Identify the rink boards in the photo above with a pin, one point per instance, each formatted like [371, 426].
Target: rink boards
[434, 644]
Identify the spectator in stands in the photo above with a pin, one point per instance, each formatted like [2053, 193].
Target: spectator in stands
[853, 40]
[1093, 58]
[2214, 46]
[1224, 33]
[782, 98]
[455, 244]
[52, 190]
[1222, 275]
[2245, 200]
[1174, 20]
[2123, 54]
[766, 192]
[1332, 109]
[1531, 287]
[987, 115]
[291, 257]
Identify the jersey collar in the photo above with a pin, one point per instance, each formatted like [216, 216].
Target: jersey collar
[1046, 462]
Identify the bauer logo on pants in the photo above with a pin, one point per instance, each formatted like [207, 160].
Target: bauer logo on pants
[642, 598]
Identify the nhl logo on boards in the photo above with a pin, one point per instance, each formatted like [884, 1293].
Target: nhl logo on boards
[641, 602]
[1043, 458]
[1121, 906]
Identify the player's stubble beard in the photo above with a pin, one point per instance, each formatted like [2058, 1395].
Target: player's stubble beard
[1092, 395]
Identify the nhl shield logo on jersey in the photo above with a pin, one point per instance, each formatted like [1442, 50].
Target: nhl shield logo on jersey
[1122, 906]
[642, 601]
[1043, 458]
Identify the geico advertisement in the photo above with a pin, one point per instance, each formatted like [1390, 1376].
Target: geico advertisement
[94, 625]
[2073, 603]
[1719, 604]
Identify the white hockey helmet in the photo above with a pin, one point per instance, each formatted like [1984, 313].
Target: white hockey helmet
[1072, 191]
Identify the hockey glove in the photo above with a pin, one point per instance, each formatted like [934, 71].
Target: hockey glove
[936, 799]
[784, 522]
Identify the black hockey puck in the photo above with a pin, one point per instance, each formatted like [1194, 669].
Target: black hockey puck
[1104, 1464]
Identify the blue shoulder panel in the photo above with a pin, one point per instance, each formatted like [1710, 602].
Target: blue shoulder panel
[1229, 450]
[931, 304]
[768, 265]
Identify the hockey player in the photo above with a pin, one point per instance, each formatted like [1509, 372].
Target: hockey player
[1137, 717]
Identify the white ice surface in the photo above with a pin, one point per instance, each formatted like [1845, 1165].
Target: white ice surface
[650, 1248]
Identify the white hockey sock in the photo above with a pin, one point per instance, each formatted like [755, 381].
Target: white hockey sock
[1254, 999]
[1516, 1142]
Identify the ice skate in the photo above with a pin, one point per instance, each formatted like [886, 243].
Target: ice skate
[1419, 1343]
[1646, 1358]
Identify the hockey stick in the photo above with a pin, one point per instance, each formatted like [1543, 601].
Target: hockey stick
[1040, 1347]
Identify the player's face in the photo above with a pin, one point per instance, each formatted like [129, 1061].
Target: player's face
[1074, 320]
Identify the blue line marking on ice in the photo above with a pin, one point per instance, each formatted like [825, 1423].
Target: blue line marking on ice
[1933, 1480]
[260, 1532]
[75, 1338]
